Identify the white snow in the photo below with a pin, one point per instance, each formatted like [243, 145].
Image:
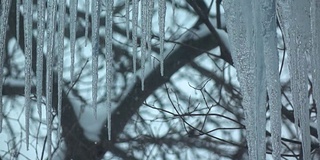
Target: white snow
[90, 123]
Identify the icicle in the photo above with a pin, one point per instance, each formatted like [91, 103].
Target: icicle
[135, 12]
[144, 10]
[235, 20]
[62, 6]
[127, 7]
[149, 28]
[95, 51]
[28, 63]
[297, 38]
[73, 24]
[49, 76]
[302, 41]
[299, 89]
[162, 16]
[315, 60]
[284, 15]
[87, 8]
[260, 80]
[109, 60]
[245, 32]
[4, 13]
[40, 42]
[18, 4]
[268, 18]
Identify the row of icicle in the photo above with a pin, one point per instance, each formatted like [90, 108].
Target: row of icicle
[53, 14]
[252, 32]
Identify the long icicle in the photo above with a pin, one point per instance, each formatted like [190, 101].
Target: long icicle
[249, 62]
[73, 25]
[268, 17]
[284, 15]
[135, 13]
[5, 4]
[144, 22]
[18, 4]
[62, 7]
[109, 60]
[49, 76]
[161, 22]
[28, 63]
[39, 64]
[260, 80]
[40, 42]
[315, 26]
[95, 51]
[127, 7]
[297, 44]
[149, 28]
[302, 38]
[87, 8]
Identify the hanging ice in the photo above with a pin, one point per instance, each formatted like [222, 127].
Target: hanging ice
[245, 32]
[109, 60]
[237, 35]
[62, 6]
[28, 63]
[297, 38]
[315, 60]
[135, 13]
[149, 27]
[268, 19]
[256, 72]
[49, 76]
[40, 41]
[253, 35]
[161, 21]
[18, 4]
[284, 16]
[87, 8]
[127, 6]
[5, 6]
[73, 24]
[95, 50]
[302, 41]
[144, 22]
